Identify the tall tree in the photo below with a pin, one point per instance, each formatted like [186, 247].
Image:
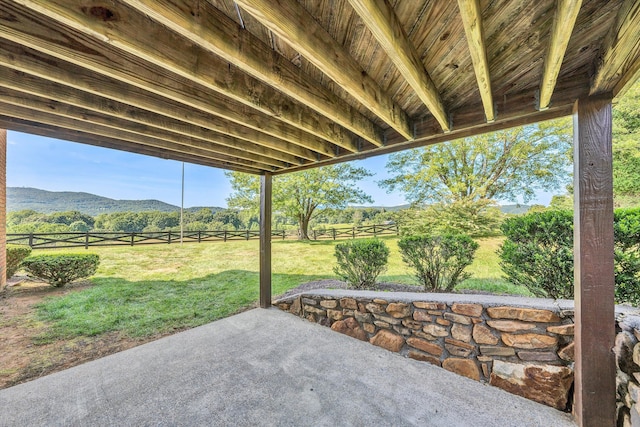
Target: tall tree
[303, 195]
[626, 146]
[495, 166]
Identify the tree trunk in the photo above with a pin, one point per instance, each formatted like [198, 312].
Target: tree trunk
[303, 228]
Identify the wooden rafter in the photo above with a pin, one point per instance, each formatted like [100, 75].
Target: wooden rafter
[31, 29]
[472, 22]
[89, 124]
[619, 62]
[132, 117]
[214, 31]
[101, 90]
[379, 17]
[38, 128]
[135, 34]
[290, 21]
[563, 23]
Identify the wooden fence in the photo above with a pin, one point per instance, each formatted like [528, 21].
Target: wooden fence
[79, 239]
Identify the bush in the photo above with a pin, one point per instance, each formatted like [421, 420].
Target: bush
[15, 255]
[439, 261]
[538, 253]
[360, 262]
[60, 269]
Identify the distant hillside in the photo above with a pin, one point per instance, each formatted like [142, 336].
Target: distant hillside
[21, 198]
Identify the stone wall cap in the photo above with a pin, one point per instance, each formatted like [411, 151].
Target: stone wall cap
[559, 305]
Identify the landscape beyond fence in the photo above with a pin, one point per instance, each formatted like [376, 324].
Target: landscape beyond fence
[79, 239]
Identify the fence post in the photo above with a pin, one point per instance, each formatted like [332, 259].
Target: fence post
[133, 236]
[31, 239]
[283, 235]
[333, 231]
[374, 231]
[353, 233]
[315, 237]
[169, 239]
[247, 234]
[86, 240]
[199, 238]
[225, 235]
[397, 230]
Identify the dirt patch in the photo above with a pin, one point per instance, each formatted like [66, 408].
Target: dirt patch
[21, 359]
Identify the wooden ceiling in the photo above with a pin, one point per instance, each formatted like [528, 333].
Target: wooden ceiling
[277, 86]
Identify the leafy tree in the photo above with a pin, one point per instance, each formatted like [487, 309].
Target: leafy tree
[495, 166]
[626, 146]
[304, 195]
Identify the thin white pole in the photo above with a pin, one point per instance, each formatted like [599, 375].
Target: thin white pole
[182, 208]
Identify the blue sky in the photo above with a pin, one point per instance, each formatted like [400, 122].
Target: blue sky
[54, 165]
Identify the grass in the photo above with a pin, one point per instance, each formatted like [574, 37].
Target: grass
[148, 290]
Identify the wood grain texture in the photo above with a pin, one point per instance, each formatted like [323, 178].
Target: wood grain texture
[563, 23]
[266, 185]
[3, 209]
[595, 370]
[381, 20]
[30, 29]
[214, 31]
[290, 21]
[472, 20]
[131, 118]
[137, 35]
[619, 51]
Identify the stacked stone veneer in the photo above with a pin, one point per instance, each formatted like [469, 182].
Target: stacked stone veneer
[522, 345]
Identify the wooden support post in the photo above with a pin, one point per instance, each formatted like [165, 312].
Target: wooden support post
[3, 209]
[595, 370]
[265, 240]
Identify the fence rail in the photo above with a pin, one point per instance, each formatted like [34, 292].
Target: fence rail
[79, 239]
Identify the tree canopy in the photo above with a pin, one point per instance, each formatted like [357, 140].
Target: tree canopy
[302, 195]
[501, 165]
[626, 145]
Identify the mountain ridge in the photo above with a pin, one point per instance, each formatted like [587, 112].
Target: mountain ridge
[44, 201]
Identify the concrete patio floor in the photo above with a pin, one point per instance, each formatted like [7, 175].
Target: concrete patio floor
[266, 368]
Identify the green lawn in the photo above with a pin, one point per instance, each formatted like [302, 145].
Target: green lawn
[147, 290]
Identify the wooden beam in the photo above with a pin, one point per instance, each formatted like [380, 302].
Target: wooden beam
[213, 30]
[136, 34]
[48, 131]
[563, 22]
[472, 22]
[119, 115]
[289, 20]
[619, 52]
[89, 126]
[31, 29]
[3, 209]
[265, 239]
[28, 63]
[595, 369]
[380, 18]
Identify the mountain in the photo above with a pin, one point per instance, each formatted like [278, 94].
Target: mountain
[21, 198]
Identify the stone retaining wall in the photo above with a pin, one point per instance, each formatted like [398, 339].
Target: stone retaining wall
[522, 345]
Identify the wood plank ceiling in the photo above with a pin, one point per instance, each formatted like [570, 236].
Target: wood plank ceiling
[277, 86]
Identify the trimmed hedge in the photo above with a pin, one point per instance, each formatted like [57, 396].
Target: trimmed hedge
[60, 269]
[439, 261]
[15, 255]
[538, 253]
[360, 262]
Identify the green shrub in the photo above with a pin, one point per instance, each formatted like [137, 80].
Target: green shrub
[60, 269]
[626, 232]
[438, 260]
[538, 253]
[360, 262]
[15, 255]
